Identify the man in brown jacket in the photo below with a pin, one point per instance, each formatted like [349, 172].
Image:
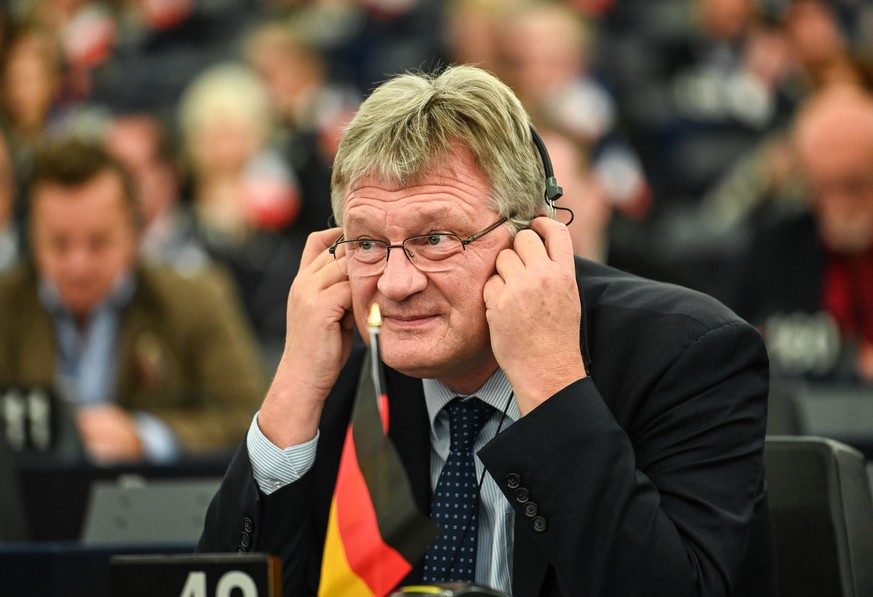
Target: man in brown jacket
[155, 364]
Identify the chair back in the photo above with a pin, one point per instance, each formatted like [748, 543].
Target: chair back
[822, 517]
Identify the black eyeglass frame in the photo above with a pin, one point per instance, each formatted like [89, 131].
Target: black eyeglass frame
[409, 255]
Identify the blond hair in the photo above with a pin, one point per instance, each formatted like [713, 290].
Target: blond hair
[223, 92]
[414, 120]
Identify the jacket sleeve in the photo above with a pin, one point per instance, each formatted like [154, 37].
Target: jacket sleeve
[665, 509]
[289, 523]
[241, 519]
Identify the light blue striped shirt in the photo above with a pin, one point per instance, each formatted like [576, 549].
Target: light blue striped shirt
[274, 468]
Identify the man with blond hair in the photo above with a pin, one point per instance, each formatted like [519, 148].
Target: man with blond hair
[622, 420]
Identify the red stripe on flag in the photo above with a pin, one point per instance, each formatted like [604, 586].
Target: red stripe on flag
[379, 565]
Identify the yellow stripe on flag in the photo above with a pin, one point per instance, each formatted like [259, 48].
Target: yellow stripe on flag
[337, 577]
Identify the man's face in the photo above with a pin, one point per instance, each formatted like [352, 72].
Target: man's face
[83, 239]
[134, 141]
[840, 174]
[433, 324]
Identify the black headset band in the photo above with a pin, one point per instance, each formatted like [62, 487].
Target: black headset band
[553, 190]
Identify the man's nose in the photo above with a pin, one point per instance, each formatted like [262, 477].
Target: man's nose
[78, 260]
[400, 278]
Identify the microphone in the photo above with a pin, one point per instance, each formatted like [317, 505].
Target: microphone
[454, 589]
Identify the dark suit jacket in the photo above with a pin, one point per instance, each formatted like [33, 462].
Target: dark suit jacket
[648, 472]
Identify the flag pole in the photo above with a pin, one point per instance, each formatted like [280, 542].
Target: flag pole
[375, 323]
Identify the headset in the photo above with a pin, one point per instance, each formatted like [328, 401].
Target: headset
[553, 190]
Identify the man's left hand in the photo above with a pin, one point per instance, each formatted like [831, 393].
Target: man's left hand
[533, 311]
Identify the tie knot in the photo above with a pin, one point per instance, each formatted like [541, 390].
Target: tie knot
[466, 419]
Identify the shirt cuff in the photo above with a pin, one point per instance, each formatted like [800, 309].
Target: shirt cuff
[272, 467]
[159, 443]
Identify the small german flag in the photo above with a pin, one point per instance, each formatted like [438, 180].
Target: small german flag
[375, 532]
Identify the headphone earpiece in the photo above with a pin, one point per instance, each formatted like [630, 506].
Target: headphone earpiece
[553, 190]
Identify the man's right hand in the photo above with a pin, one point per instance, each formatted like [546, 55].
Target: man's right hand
[317, 345]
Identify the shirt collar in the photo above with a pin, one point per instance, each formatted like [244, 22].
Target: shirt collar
[495, 392]
[119, 295]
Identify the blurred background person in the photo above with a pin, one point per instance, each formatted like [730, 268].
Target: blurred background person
[31, 91]
[820, 47]
[243, 193]
[84, 33]
[363, 41]
[544, 54]
[583, 193]
[807, 50]
[311, 111]
[157, 365]
[168, 236]
[471, 33]
[808, 279]
[804, 48]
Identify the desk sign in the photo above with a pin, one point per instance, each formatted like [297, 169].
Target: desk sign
[199, 575]
[28, 418]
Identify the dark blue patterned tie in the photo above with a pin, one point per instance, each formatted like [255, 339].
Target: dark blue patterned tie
[454, 505]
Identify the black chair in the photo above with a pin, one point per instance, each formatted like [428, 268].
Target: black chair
[822, 517]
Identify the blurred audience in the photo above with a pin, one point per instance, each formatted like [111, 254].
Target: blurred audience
[820, 47]
[699, 93]
[31, 108]
[820, 55]
[544, 54]
[84, 34]
[160, 46]
[311, 112]
[244, 194]
[472, 31]
[808, 280]
[157, 365]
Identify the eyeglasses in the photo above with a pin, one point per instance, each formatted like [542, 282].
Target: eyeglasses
[430, 253]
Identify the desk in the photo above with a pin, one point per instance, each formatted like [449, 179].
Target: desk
[55, 494]
[64, 569]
